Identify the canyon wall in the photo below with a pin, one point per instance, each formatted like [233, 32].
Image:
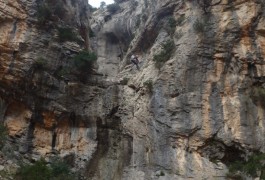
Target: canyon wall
[187, 116]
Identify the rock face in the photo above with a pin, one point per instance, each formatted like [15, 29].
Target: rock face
[199, 111]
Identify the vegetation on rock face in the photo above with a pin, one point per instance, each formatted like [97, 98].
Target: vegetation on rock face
[113, 8]
[58, 170]
[258, 95]
[119, 1]
[44, 14]
[67, 34]
[124, 81]
[254, 166]
[167, 51]
[3, 135]
[149, 85]
[199, 26]
[91, 33]
[171, 25]
[84, 61]
[40, 63]
[180, 20]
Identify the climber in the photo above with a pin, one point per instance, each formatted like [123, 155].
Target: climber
[134, 60]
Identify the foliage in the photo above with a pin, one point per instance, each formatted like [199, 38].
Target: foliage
[40, 63]
[58, 170]
[172, 22]
[145, 3]
[144, 17]
[171, 25]
[39, 171]
[91, 33]
[119, 1]
[258, 95]
[149, 85]
[66, 34]
[91, 8]
[102, 4]
[44, 14]
[59, 167]
[124, 81]
[199, 26]
[113, 8]
[167, 51]
[251, 166]
[180, 20]
[3, 134]
[63, 71]
[59, 10]
[84, 61]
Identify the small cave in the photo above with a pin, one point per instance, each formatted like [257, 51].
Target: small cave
[232, 154]
[216, 150]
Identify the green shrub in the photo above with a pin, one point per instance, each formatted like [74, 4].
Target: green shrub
[180, 20]
[59, 167]
[58, 170]
[255, 163]
[59, 11]
[258, 95]
[44, 14]
[172, 22]
[62, 72]
[149, 85]
[167, 51]
[66, 34]
[171, 25]
[124, 81]
[113, 8]
[91, 8]
[119, 1]
[91, 33]
[199, 26]
[38, 170]
[40, 63]
[84, 61]
[3, 134]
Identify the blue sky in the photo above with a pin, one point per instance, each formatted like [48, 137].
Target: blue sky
[96, 3]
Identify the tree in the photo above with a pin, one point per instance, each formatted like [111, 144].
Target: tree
[102, 4]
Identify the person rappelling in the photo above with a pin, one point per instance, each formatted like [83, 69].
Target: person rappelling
[135, 60]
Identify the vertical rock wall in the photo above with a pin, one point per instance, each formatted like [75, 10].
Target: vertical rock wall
[205, 108]
[190, 118]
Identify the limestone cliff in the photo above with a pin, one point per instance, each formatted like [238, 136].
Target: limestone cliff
[195, 106]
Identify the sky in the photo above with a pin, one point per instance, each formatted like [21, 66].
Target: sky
[96, 3]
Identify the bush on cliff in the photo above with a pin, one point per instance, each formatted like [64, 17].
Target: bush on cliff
[67, 34]
[40, 64]
[254, 166]
[149, 85]
[44, 14]
[3, 135]
[84, 61]
[113, 8]
[57, 170]
[167, 51]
